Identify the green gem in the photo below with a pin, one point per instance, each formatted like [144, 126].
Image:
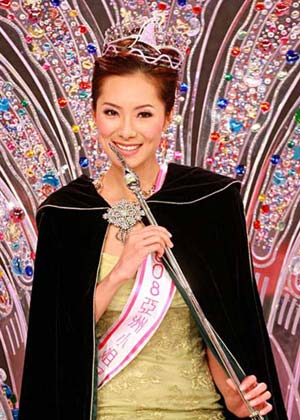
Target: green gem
[281, 226]
[297, 116]
[228, 77]
[291, 144]
[83, 95]
[242, 34]
[292, 171]
[21, 112]
[24, 102]
[13, 398]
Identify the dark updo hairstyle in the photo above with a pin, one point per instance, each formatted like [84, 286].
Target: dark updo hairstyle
[125, 63]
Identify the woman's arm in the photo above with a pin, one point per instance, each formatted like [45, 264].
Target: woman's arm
[256, 393]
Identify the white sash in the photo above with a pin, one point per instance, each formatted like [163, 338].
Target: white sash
[144, 311]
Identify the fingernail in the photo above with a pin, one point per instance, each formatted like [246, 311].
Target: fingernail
[171, 246]
[170, 234]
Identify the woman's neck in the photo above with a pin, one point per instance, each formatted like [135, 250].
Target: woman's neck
[114, 185]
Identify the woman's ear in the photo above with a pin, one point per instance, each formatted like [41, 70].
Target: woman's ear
[168, 120]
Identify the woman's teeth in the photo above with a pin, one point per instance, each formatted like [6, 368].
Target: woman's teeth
[121, 146]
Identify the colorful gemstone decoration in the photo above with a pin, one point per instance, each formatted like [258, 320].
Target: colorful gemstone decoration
[83, 162]
[222, 103]
[240, 170]
[275, 159]
[292, 57]
[235, 126]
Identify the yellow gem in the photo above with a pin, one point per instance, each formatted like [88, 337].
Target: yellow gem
[87, 65]
[29, 153]
[36, 32]
[73, 13]
[262, 197]
[75, 128]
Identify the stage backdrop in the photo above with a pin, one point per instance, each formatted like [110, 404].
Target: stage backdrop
[239, 115]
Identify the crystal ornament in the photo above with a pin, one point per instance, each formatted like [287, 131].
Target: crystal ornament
[294, 266]
[124, 215]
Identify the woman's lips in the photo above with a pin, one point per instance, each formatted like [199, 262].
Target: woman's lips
[127, 150]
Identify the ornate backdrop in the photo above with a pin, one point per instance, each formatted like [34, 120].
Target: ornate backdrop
[238, 115]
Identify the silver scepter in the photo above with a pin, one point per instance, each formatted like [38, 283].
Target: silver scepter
[133, 183]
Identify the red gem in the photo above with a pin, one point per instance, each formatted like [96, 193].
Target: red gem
[50, 153]
[162, 6]
[265, 208]
[62, 102]
[16, 215]
[197, 10]
[209, 161]
[84, 85]
[35, 15]
[265, 45]
[214, 136]
[11, 146]
[28, 39]
[5, 4]
[1, 236]
[187, 51]
[32, 255]
[259, 6]
[83, 29]
[265, 106]
[235, 51]
[281, 9]
[256, 224]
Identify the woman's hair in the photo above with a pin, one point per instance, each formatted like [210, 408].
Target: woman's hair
[125, 63]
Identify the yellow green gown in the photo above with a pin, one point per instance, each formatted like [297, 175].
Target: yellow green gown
[169, 379]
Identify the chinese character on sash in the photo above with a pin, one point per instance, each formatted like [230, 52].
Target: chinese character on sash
[108, 356]
[138, 322]
[148, 306]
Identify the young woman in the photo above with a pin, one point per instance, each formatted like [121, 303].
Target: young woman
[84, 286]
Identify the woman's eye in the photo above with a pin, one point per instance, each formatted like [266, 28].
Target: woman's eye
[110, 112]
[145, 114]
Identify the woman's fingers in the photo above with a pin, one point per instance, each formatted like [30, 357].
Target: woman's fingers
[260, 399]
[266, 409]
[249, 382]
[261, 387]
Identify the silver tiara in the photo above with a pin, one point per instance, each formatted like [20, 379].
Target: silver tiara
[169, 43]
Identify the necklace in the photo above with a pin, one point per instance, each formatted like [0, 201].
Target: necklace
[124, 214]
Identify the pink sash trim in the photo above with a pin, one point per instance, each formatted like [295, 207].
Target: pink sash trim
[144, 311]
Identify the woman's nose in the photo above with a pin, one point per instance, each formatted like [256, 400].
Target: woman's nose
[127, 129]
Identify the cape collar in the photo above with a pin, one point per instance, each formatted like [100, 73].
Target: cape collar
[183, 185]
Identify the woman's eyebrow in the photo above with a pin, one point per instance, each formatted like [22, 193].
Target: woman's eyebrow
[119, 107]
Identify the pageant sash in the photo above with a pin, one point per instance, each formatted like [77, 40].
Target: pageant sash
[144, 311]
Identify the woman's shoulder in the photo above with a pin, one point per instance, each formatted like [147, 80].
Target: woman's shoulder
[194, 182]
[78, 193]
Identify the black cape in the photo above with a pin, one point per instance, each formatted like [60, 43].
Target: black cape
[205, 214]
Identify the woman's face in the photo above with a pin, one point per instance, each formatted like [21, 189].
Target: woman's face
[130, 114]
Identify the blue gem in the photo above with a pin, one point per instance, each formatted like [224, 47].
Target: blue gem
[181, 2]
[292, 171]
[4, 104]
[84, 162]
[28, 270]
[183, 87]
[222, 103]
[15, 413]
[292, 56]
[296, 153]
[16, 265]
[279, 178]
[7, 390]
[235, 126]
[240, 169]
[55, 3]
[275, 159]
[50, 179]
[91, 49]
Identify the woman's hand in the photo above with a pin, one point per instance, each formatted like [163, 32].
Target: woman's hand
[255, 393]
[140, 243]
